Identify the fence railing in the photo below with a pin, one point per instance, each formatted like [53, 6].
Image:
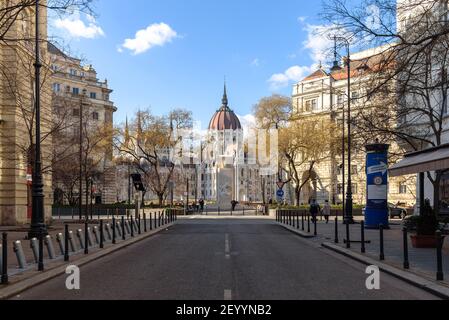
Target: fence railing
[80, 240]
[302, 220]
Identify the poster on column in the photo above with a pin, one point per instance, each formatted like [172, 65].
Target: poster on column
[376, 212]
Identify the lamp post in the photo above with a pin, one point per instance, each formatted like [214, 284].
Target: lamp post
[38, 227]
[348, 216]
[80, 208]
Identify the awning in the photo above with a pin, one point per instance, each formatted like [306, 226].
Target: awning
[423, 161]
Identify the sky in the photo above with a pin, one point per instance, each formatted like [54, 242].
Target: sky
[170, 54]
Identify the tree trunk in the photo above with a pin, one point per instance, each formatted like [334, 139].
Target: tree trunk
[161, 199]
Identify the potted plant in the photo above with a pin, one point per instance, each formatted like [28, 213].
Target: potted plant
[423, 228]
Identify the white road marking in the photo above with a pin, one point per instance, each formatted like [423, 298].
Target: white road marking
[227, 247]
[228, 295]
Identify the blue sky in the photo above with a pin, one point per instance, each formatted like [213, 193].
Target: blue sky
[186, 48]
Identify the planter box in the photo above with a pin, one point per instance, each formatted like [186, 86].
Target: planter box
[424, 242]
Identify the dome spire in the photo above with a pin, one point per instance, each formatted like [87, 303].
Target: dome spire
[225, 101]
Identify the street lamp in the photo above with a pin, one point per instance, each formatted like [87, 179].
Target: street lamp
[80, 208]
[348, 217]
[38, 227]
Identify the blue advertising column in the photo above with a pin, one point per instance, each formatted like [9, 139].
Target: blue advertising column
[376, 212]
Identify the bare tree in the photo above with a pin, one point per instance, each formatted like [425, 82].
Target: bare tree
[407, 87]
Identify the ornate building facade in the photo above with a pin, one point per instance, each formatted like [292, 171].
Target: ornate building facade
[323, 95]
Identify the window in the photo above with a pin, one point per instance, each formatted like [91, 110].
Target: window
[73, 72]
[355, 95]
[76, 112]
[76, 91]
[54, 67]
[56, 87]
[355, 188]
[95, 116]
[354, 169]
[311, 105]
[340, 99]
[340, 188]
[93, 95]
[402, 188]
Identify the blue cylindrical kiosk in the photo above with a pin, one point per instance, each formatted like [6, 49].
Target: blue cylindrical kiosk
[376, 212]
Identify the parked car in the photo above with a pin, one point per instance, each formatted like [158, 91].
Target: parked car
[397, 211]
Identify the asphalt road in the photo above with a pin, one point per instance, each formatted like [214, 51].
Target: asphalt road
[225, 260]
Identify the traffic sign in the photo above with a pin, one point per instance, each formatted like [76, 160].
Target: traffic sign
[280, 193]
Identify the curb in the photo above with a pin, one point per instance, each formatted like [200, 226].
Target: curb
[413, 279]
[14, 289]
[296, 231]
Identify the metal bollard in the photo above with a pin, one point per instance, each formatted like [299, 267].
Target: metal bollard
[40, 264]
[50, 247]
[405, 238]
[159, 219]
[151, 220]
[114, 228]
[4, 270]
[79, 234]
[118, 229]
[72, 242]
[308, 223]
[336, 240]
[382, 249]
[440, 273]
[60, 241]
[86, 238]
[303, 221]
[96, 235]
[315, 231]
[34, 245]
[123, 229]
[297, 220]
[107, 227]
[139, 231]
[101, 235]
[362, 227]
[90, 237]
[348, 236]
[132, 227]
[66, 243]
[145, 222]
[19, 254]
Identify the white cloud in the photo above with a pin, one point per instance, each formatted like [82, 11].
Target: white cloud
[157, 34]
[317, 45]
[302, 19]
[78, 28]
[292, 74]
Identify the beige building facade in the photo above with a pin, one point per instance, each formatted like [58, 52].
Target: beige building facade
[16, 117]
[81, 103]
[323, 95]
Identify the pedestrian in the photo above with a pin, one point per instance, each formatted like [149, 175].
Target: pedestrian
[327, 211]
[314, 210]
[234, 204]
[202, 205]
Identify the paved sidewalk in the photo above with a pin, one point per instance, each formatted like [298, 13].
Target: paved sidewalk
[422, 261]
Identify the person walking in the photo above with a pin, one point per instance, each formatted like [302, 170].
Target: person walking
[314, 210]
[327, 211]
[202, 205]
